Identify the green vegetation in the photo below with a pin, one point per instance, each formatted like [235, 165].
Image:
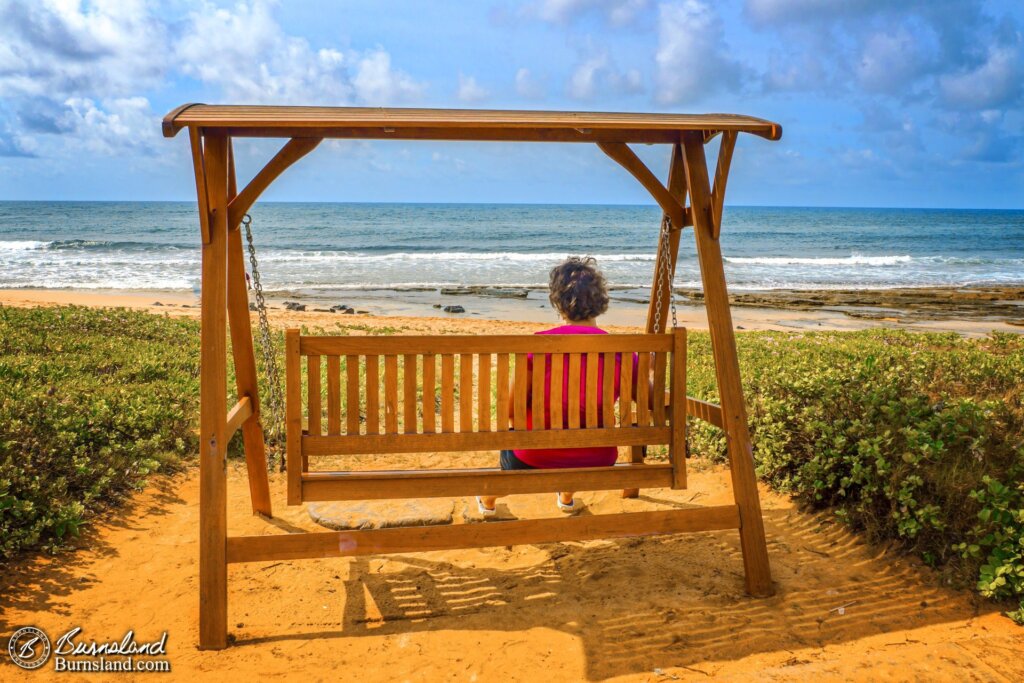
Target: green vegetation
[91, 401]
[915, 438]
[912, 438]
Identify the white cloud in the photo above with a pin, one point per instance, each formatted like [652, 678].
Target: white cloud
[892, 60]
[246, 53]
[794, 73]
[16, 145]
[446, 160]
[956, 54]
[114, 126]
[597, 75]
[994, 83]
[583, 81]
[77, 75]
[630, 81]
[377, 84]
[527, 86]
[70, 74]
[692, 59]
[470, 90]
[54, 48]
[616, 12]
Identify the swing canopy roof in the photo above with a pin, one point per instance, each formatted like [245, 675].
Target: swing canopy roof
[457, 124]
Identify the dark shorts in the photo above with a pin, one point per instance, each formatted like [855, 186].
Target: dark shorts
[509, 461]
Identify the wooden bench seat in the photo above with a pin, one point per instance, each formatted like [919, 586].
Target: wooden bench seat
[376, 395]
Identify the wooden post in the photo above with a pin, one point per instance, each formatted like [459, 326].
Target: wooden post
[723, 344]
[677, 188]
[246, 383]
[213, 588]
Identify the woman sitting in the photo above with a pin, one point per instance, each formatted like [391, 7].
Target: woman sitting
[579, 293]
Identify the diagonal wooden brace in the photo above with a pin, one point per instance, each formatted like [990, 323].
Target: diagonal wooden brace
[627, 158]
[721, 177]
[244, 359]
[293, 150]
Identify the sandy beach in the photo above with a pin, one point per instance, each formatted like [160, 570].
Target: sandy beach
[968, 311]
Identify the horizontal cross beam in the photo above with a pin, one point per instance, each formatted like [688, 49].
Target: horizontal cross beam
[323, 544]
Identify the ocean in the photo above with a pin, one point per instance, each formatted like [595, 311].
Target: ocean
[310, 247]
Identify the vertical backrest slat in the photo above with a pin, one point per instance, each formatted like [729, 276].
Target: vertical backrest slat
[409, 421]
[626, 391]
[373, 394]
[483, 384]
[573, 404]
[643, 390]
[677, 449]
[501, 382]
[557, 377]
[313, 394]
[608, 390]
[293, 414]
[352, 394]
[391, 394]
[447, 393]
[333, 395]
[465, 392]
[521, 387]
[429, 393]
[537, 403]
[659, 388]
[593, 390]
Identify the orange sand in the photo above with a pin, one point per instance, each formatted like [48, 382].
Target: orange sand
[562, 612]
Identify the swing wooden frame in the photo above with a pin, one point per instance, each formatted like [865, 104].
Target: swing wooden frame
[224, 299]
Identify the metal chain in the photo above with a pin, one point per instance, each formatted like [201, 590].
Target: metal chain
[664, 277]
[272, 425]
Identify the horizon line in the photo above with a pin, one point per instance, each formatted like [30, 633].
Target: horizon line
[507, 203]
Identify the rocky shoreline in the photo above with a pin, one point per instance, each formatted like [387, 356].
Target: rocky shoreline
[912, 304]
[909, 305]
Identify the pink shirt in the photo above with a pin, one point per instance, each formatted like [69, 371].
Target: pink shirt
[549, 458]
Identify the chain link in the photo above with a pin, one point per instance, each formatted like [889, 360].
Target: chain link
[664, 276]
[272, 425]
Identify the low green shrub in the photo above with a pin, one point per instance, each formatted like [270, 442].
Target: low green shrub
[91, 402]
[917, 438]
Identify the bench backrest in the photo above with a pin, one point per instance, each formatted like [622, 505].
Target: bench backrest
[408, 394]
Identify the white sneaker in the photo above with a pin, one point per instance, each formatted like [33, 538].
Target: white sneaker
[484, 510]
[565, 507]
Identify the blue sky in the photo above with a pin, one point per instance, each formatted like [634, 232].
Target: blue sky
[915, 103]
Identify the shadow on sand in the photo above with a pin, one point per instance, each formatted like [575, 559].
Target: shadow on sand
[646, 603]
[43, 583]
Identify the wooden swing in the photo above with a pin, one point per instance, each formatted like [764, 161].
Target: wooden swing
[411, 422]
